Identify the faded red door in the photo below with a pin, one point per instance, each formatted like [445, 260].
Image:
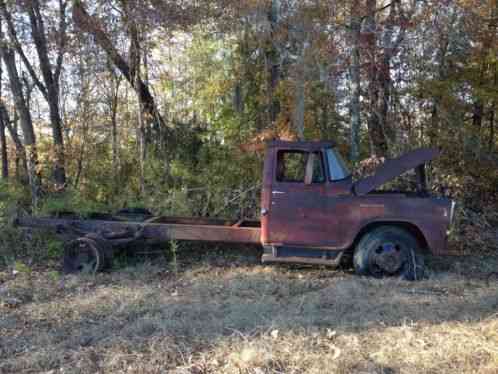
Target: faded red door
[298, 213]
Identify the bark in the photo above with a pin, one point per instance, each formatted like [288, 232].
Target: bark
[114, 101]
[51, 80]
[324, 118]
[142, 153]
[385, 86]
[85, 110]
[135, 53]
[434, 122]
[92, 26]
[20, 154]
[492, 114]
[478, 106]
[443, 44]
[375, 130]
[485, 68]
[34, 176]
[300, 80]
[300, 93]
[49, 84]
[3, 140]
[3, 145]
[477, 114]
[384, 72]
[142, 140]
[380, 82]
[355, 81]
[11, 126]
[273, 63]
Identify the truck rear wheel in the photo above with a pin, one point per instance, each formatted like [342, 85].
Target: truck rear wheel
[88, 254]
[389, 251]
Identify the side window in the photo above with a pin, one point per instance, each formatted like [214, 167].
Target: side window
[318, 173]
[291, 167]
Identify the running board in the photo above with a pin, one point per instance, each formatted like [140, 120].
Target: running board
[307, 256]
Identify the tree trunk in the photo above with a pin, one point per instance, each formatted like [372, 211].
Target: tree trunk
[477, 115]
[384, 72]
[355, 81]
[3, 140]
[142, 131]
[135, 52]
[92, 26]
[50, 86]
[58, 139]
[324, 118]
[300, 82]
[3, 144]
[12, 129]
[273, 63]
[375, 131]
[300, 106]
[34, 176]
[492, 114]
[142, 149]
[443, 44]
[385, 96]
[114, 125]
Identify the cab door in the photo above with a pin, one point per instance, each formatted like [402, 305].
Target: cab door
[298, 208]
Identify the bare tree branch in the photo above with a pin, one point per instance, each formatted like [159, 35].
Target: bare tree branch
[62, 39]
[17, 45]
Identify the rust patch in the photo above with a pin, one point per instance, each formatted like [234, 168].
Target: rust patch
[372, 209]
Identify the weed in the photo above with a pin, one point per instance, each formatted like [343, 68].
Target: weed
[54, 276]
[70, 201]
[32, 247]
[174, 246]
[22, 268]
[55, 249]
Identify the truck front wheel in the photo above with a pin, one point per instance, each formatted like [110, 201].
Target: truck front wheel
[388, 251]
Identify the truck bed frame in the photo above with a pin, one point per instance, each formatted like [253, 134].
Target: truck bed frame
[91, 243]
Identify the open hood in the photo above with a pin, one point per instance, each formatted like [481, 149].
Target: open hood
[393, 168]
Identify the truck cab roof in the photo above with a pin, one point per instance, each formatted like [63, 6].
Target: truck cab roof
[309, 145]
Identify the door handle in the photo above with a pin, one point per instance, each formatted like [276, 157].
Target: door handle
[264, 212]
[277, 192]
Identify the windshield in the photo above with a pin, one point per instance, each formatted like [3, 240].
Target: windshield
[337, 167]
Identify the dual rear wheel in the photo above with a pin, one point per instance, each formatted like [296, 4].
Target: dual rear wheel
[389, 251]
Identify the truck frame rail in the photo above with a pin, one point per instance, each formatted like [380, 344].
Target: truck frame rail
[93, 242]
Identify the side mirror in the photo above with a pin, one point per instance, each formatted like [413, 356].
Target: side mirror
[308, 178]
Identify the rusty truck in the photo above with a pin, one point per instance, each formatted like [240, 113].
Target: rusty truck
[312, 212]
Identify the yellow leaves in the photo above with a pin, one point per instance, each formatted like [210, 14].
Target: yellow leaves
[482, 8]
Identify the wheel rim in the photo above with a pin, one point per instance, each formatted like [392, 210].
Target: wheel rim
[81, 256]
[387, 258]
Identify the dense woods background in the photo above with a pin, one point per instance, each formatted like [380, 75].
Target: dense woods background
[117, 103]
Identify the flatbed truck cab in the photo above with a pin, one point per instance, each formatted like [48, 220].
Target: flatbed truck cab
[312, 212]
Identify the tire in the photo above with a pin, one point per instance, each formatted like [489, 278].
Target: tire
[105, 249]
[389, 251]
[89, 254]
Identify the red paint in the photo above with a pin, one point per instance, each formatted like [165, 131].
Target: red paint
[331, 215]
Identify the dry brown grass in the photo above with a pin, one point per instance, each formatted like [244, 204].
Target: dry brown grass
[217, 318]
